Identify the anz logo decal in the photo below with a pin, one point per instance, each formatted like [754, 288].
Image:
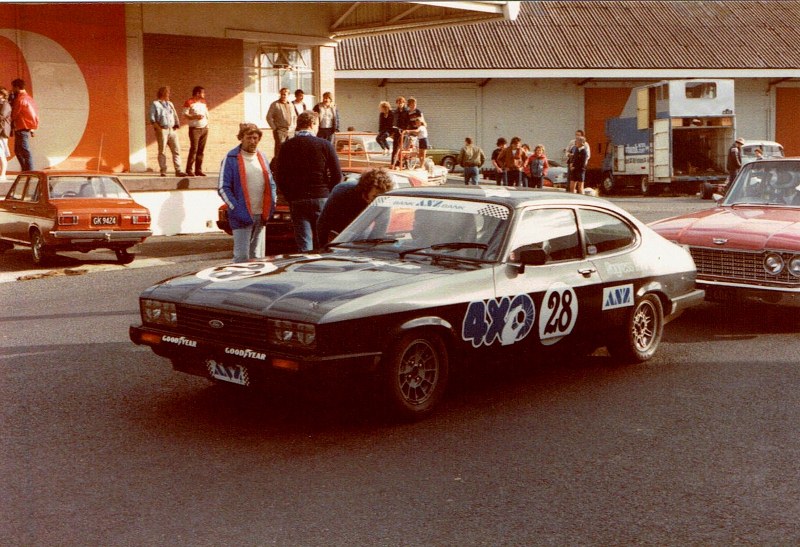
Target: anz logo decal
[508, 320]
[617, 297]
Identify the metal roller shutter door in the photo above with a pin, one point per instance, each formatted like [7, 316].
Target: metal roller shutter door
[451, 110]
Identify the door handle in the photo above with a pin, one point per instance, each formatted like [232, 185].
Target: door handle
[586, 272]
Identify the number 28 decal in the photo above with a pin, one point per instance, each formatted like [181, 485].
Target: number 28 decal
[558, 314]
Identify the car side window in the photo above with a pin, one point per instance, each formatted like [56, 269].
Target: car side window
[32, 191]
[604, 232]
[553, 230]
[18, 190]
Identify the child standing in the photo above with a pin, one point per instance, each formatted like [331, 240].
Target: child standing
[537, 166]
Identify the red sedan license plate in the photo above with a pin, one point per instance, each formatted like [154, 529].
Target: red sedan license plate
[104, 221]
[235, 374]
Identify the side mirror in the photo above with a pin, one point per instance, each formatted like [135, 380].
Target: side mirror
[531, 257]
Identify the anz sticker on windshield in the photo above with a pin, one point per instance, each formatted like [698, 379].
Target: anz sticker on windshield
[620, 296]
[507, 320]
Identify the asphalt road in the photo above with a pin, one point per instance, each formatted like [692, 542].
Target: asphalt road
[101, 443]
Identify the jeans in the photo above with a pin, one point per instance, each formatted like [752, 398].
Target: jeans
[536, 182]
[250, 241]
[305, 214]
[22, 149]
[197, 145]
[500, 178]
[326, 133]
[513, 178]
[471, 175]
[381, 140]
[168, 138]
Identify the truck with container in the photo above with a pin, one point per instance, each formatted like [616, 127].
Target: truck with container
[672, 134]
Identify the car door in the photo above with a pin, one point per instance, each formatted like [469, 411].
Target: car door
[564, 293]
[14, 220]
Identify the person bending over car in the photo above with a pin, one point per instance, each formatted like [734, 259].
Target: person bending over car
[347, 201]
[247, 187]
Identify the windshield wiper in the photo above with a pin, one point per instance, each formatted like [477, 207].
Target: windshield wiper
[371, 241]
[455, 245]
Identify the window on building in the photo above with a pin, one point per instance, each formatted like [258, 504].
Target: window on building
[268, 68]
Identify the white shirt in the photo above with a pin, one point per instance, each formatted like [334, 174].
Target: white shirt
[255, 182]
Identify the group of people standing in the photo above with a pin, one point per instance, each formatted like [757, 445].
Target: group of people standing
[18, 118]
[283, 114]
[163, 116]
[406, 120]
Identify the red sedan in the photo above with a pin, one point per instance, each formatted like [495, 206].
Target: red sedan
[748, 247]
[52, 211]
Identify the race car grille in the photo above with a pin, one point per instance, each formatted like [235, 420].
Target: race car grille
[739, 267]
[219, 326]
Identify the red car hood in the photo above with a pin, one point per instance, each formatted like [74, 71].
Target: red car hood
[746, 228]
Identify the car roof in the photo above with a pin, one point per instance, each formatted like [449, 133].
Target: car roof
[750, 142]
[509, 196]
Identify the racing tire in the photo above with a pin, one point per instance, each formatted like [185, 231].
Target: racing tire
[123, 256]
[642, 332]
[607, 184]
[449, 163]
[415, 374]
[40, 254]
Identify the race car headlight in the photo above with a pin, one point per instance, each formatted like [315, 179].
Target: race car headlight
[794, 266]
[773, 263]
[289, 333]
[159, 313]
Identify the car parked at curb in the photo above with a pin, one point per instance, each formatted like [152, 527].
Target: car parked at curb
[747, 248]
[422, 280]
[52, 211]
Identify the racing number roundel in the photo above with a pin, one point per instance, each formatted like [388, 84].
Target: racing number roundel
[558, 313]
[236, 272]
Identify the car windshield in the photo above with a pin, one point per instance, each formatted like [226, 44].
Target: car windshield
[430, 226]
[86, 187]
[766, 183]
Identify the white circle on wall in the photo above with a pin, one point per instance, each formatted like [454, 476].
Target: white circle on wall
[61, 94]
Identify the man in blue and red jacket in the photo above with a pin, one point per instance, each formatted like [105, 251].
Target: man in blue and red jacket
[247, 187]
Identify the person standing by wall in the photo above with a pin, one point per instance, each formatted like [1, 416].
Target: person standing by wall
[281, 118]
[196, 111]
[307, 171]
[24, 122]
[298, 103]
[471, 158]
[734, 159]
[400, 124]
[5, 132]
[385, 125]
[246, 185]
[511, 160]
[348, 199]
[579, 157]
[499, 172]
[328, 117]
[537, 166]
[164, 119]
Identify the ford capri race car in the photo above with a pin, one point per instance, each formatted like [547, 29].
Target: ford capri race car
[422, 279]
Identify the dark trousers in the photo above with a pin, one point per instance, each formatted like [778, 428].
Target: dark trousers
[535, 182]
[197, 145]
[22, 149]
[326, 133]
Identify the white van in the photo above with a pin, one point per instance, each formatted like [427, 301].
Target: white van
[771, 149]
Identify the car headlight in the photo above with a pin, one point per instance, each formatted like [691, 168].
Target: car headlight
[773, 263]
[289, 333]
[159, 313]
[794, 266]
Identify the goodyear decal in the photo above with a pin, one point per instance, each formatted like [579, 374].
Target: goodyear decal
[179, 341]
[507, 320]
[246, 353]
[620, 296]
[558, 314]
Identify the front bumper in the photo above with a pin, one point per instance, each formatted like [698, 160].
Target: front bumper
[191, 354]
[717, 291]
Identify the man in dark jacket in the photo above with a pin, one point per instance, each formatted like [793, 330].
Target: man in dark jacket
[247, 187]
[735, 159]
[308, 169]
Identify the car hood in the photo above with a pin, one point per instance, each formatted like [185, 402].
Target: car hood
[307, 287]
[743, 227]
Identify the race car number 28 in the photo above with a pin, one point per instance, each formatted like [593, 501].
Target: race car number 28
[558, 313]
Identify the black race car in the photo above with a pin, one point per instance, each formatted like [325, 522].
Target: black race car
[424, 278]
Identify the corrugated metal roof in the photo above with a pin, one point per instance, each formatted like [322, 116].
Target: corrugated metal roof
[598, 34]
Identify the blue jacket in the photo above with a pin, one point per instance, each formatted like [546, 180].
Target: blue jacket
[232, 188]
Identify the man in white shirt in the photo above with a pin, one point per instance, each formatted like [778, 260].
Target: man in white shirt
[195, 110]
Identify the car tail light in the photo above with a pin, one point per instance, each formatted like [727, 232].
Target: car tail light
[140, 219]
[67, 220]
